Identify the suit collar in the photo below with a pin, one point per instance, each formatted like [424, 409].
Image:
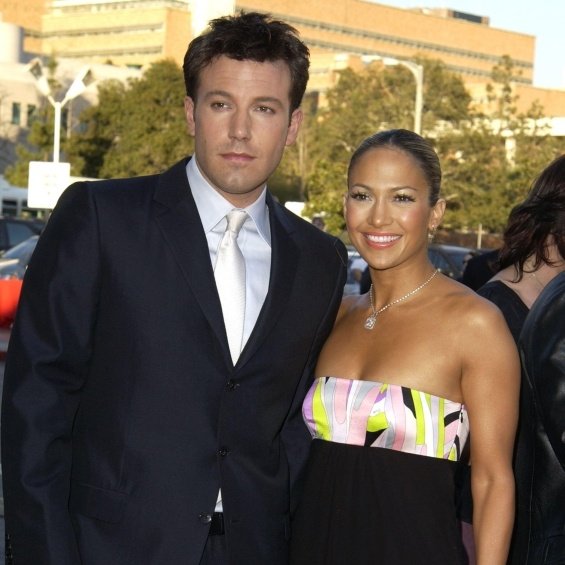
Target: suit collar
[180, 225]
[213, 207]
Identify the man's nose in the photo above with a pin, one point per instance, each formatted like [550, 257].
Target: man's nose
[240, 126]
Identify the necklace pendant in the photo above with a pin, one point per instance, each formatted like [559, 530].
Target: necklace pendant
[370, 322]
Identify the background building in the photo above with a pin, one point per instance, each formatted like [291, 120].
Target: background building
[137, 32]
[134, 33]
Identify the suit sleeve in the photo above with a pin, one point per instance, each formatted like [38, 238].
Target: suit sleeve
[46, 366]
[295, 436]
[542, 345]
[550, 384]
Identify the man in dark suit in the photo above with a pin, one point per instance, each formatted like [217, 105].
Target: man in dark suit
[135, 427]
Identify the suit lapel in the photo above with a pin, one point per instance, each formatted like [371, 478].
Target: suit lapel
[284, 261]
[179, 222]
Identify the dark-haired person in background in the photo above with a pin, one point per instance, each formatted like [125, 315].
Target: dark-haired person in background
[145, 420]
[480, 268]
[542, 346]
[531, 256]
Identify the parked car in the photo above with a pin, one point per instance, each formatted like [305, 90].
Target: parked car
[16, 230]
[351, 283]
[13, 264]
[449, 259]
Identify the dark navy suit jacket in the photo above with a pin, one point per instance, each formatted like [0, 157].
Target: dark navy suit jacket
[122, 412]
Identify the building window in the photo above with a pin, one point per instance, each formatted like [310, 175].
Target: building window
[16, 113]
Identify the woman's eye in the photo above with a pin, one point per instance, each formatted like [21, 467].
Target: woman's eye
[359, 196]
[404, 198]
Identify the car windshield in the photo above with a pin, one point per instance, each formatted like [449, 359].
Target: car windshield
[22, 252]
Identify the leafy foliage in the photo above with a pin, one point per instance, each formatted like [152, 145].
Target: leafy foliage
[39, 143]
[134, 130]
[487, 165]
[363, 103]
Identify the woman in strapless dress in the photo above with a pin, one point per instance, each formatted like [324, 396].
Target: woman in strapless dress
[409, 371]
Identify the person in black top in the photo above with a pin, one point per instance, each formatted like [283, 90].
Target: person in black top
[531, 256]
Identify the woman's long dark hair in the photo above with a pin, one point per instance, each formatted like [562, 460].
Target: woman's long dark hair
[532, 223]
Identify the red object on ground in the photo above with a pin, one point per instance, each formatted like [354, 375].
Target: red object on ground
[9, 296]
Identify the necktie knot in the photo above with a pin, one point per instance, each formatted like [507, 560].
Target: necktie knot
[236, 219]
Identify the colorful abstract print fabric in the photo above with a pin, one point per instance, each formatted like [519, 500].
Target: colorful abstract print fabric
[373, 414]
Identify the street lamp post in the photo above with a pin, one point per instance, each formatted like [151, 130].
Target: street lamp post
[78, 86]
[418, 73]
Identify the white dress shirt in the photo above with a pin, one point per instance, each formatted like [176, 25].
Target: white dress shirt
[254, 240]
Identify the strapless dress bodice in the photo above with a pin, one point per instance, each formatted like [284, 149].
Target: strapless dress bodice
[376, 414]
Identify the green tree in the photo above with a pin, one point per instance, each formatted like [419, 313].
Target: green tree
[489, 163]
[363, 103]
[38, 144]
[134, 130]
[474, 169]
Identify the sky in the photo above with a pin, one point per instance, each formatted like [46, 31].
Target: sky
[544, 19]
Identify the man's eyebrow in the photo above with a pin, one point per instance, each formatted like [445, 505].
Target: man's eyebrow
[257, 100]
[212, 93]
[269, 100]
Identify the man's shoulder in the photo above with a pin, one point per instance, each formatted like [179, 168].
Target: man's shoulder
[132, 187]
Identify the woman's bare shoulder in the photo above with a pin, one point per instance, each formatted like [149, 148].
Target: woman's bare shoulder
[467, 307]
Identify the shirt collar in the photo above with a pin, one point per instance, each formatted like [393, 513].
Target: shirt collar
[213, 207]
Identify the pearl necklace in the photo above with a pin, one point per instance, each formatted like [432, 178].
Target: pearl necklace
[372, 319]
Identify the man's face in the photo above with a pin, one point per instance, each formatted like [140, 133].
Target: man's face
[240, 121]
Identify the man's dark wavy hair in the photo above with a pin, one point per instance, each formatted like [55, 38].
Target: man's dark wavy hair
[249, 36]
[534, 221]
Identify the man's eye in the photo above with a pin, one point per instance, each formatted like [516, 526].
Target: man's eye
[219, 105]
[265, 109]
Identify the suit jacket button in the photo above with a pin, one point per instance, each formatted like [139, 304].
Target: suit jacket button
[232, 385]
[205, 518]
[223, 451]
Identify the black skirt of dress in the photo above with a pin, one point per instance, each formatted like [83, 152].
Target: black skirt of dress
[367, 505]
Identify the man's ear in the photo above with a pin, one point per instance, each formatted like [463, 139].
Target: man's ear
[189, 108]
[294, 126]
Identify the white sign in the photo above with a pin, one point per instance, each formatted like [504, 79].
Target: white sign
[46, 182]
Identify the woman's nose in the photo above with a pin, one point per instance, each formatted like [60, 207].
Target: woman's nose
[380, 214]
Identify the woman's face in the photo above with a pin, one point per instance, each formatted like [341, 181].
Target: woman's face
[387, 209]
